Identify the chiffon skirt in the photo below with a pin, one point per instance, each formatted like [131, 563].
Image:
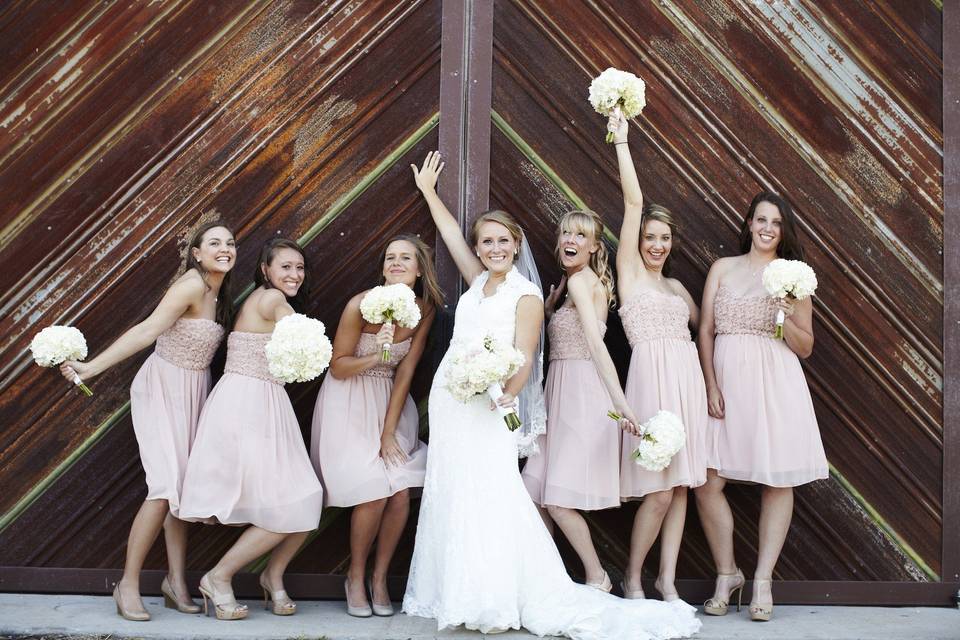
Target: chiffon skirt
[577, 466]
[665, 375]
[769, 433]
[345, 441]
[249, 464]
[165, 405]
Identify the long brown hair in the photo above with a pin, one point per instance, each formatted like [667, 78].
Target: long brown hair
[590, 224]
[427, 288]
[660, 213]
[225, 310]
[267, 253]
[789, 246]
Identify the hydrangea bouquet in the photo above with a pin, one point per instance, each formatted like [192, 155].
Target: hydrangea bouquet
[483, 365]
[615, 88]
[390, 303]
[662, 437]
[299, 349]
[793, 278]
[55, 345]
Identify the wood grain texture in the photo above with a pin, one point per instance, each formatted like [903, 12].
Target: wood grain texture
[721, 123]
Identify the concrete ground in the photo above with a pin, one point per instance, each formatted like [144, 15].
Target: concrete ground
[94, 618]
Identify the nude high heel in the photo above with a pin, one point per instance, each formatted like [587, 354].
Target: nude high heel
[123, 612]
[604, 585]
[357, 612]
[666, 597]
[225, 606]
[636, 594]
[384, 610]
[761, 612]
[171, 601]
[283, 605]
[717, 606]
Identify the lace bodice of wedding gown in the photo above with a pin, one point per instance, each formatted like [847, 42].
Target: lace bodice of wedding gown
[482, 557]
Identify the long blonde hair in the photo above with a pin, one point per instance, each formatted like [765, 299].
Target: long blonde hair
[590, 225]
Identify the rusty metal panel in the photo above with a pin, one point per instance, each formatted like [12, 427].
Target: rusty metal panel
[794, 97]
[261, 113]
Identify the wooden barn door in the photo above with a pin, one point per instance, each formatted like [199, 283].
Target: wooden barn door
[124, 125]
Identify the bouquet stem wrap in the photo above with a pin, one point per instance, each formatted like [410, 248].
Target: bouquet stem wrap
[84, 388]
[509, 415]
[778, 332]
[385, 354]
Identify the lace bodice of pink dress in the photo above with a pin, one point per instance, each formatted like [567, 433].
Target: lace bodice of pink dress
[744, 315]
[368, 345]
[567, 340]
[247, 355]
[655, 315]
[190, 343]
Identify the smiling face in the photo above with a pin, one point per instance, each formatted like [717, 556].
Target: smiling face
[495, 247]
[575, 244]
[286, 271]
[766, 227]
[656, 241]
[216, 251]
[400, 263]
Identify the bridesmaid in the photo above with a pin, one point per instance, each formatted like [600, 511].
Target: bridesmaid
[249, 464]
[364, 444]
[165, 401]
[578, 466]
[762, 422]
[657, 313]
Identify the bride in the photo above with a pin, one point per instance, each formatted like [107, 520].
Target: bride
[483, 557]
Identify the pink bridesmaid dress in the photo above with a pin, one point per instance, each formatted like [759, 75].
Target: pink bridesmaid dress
[166, 397]
[347, 425]
[249, 464]
[664, 375]
[769, 433]
[577, 464]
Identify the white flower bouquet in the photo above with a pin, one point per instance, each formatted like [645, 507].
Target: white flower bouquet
[55, 345]
[483, 365]
[662, 437]
[391, 303]
[793, 278]
[299, 349]
[615, 88]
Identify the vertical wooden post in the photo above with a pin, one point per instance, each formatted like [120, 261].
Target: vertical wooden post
[466, 67]
[950, 560]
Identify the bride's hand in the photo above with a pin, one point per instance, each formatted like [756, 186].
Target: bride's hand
[426, 177]
[507, 401]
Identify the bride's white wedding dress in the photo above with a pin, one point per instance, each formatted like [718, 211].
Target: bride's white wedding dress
[483, 557]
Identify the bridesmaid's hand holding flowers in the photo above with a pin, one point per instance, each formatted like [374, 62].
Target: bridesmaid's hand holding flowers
[787, 305]
[618, 126]
[385, 335]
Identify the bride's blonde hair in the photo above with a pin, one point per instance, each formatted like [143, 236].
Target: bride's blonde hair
[591, 226]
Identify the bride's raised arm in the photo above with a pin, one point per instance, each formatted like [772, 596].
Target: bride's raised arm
[426, 179]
